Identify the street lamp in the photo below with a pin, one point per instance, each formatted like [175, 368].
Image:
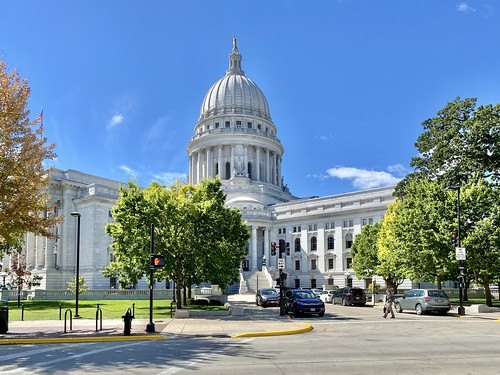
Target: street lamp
[77, 289]
[461, 309]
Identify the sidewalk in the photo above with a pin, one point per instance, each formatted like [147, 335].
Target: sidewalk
[248, 325]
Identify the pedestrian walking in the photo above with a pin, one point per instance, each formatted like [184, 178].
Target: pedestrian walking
[389, 303]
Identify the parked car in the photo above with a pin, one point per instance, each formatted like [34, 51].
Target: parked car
[423, 300]
[303, 301]
[267, 297]
[327, 296]
[317, 291]
[349, 296]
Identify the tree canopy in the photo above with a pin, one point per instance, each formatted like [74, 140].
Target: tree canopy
[201, 240]
[23, 178]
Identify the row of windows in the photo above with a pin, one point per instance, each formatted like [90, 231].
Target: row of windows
[330, 243]
[313, 265]
[238, 124]
[349, 223]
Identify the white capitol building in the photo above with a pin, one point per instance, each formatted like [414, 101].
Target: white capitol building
[236, 139]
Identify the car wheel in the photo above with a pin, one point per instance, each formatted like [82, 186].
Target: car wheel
[344, 302]
[398, 308]
[257, 301]
[418, 309]
[296, 312]
[321, 314]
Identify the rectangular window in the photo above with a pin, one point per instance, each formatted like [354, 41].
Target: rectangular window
[228, 124]
[349, 263]
[238, 124]
[370, 221]
[249, 125]
[259, 126]
[330, 264]
[313, 264]
[313, 227]
[313, 283]
[216, 125]
[279, 230]
[297, 265]
[348, 223]
[364, 222]
[297, 283]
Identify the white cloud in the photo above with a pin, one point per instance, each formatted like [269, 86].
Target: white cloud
[363, 178]
[115, 120]
[168, 178]
[129, 171]
[398, 169]
[464, 7]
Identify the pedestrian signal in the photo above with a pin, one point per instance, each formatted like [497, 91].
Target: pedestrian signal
[157, 261]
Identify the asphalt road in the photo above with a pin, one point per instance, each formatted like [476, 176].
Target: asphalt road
[348, 340]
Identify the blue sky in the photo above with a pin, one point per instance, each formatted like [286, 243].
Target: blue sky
[348, 82]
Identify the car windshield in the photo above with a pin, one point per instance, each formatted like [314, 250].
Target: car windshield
[357, 292]
[269, 292]
[305, 294]
[437, 293]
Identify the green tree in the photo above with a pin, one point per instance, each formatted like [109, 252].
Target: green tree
[23, 178]
[364, 251]
[82, 286]
[460, 143]
[200, 239]
[480, 206]
[427, 224]
[390, 246]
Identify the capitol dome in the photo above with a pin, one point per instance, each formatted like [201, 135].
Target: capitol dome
[234, 93]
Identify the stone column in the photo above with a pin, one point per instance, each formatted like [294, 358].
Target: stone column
[221, 166]
[257, 162]
[245, 159]
[209, 163]
[268, 166]
[231, 169]
[199, 167]
[266, 246]
[253, 250]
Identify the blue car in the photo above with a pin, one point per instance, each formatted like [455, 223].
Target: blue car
[303, 302]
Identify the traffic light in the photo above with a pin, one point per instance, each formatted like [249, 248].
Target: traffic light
[282, 247]
[287, 248]
[157, 261]
[454, 240]
[273, 248]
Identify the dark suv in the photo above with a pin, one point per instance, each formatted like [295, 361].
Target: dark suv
[349, 296]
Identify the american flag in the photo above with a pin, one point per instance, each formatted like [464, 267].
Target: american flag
[39, 118]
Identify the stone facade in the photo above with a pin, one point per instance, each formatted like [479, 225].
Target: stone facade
[235, 139]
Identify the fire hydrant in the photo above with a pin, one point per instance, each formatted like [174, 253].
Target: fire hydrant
[127, 323]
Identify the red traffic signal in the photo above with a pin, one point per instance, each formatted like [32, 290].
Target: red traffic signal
[273, 248]
[157, 261]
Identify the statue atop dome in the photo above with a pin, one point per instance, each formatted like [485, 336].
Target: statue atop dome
[235, 47]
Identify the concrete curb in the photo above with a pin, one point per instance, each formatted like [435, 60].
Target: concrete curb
[307, 328]
[60, 340]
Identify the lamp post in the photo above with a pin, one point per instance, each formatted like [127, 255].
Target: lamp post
[461, 309]
[77, 289]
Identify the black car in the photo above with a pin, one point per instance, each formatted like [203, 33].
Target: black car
[301, 302]
[349, 296]
[267, 297]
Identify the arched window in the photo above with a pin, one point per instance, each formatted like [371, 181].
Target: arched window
[330, 243]
[228, 170]
[297, 244]
[314, 244]
[348, 240]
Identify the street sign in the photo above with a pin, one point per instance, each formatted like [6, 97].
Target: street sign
[281, 264]
[460, 253]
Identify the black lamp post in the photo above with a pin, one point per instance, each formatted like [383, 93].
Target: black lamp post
[461, 281]
[77, 215]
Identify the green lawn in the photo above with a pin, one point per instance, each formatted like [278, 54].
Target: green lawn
[474, 301]
[111, 309]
